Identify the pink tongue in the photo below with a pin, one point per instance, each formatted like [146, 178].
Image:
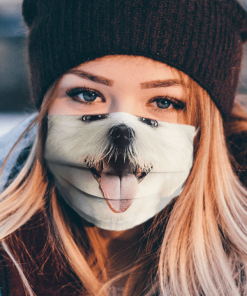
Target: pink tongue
[118, 192]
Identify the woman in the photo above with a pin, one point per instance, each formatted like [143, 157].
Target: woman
[135, 182]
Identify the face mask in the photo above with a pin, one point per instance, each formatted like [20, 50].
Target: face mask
[118, 170]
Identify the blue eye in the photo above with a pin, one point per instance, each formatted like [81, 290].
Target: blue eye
[83, 95]
[163, 103]
[87, 96]
[169, 103]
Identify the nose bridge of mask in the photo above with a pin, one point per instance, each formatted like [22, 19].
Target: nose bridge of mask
[119, 157]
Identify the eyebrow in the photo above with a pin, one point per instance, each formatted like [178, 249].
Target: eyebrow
[89, 76]
[161, 83]
[109, 82]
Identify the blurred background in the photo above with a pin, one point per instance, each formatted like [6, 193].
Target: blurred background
[14, 83]
[15, 103]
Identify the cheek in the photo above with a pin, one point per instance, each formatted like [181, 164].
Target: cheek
[64, 106]
[182, 117]
[172, 117]
[57, 107]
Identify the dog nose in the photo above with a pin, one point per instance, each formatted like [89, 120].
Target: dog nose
[122, 135]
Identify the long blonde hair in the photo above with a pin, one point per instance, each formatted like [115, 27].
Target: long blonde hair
[195, 246]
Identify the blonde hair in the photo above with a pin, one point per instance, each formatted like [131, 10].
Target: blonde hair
[195, 246]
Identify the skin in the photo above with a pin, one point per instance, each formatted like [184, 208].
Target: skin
[127, 92]
[135, 85]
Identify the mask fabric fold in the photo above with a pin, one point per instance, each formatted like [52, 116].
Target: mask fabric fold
[118, 170]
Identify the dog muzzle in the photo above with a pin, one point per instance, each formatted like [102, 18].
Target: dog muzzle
[118, 170]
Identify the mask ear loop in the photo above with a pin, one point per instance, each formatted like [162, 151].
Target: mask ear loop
[42, 134]
[46, 119]
[49, 176]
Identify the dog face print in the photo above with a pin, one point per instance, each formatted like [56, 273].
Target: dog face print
[118, 158]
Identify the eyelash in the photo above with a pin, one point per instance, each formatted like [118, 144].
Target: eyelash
[74, 92]
[176, 104]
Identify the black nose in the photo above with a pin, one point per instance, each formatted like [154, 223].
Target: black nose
[121, 135]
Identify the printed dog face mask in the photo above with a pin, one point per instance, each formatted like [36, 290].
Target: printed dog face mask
[118, 170]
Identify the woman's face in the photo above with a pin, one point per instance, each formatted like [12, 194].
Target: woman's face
[136, 85]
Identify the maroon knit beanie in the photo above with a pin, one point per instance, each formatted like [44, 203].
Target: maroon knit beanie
[202, 38]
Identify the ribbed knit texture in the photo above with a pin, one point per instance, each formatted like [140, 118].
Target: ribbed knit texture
[202, 38]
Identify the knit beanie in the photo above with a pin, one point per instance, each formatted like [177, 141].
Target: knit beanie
[202, 38]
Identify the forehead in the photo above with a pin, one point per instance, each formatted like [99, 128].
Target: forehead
[129, 67]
